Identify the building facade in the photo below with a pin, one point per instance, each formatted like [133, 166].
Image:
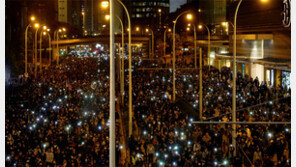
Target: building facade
[263, 41]
[148, 12]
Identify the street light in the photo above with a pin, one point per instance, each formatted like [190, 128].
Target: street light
[107, 17]
[56, 36]
[104, 5]
[147, 30]
[36, 33]
[83, 22]
[159, 11]
[36, 25]
[195, 49]
[164, 40]
[32, 18]
[137, 28]
[234, 78]
[121, 64]
[40, 46]
[209, 41]
[189, 17]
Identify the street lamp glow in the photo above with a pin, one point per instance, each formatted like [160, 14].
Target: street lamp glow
[199, 10]
[36, 25]
[224, 23]
[188, 29]
[159, 10]
[264, 1]
[44, 32]
[107, 17]
[48, 30]
[32, 18]
[189, 25]
[44, 27]
[189, 16]
[64, 29]
[147, 30]
[137, 28]
[82, 13]
[170, 30]
[105, 4]
[60, 30]
[200, 26]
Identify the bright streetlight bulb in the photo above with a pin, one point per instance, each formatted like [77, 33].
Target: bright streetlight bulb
[82, 13]
[159, 10]
[170, 30]
[32, 18]
[199, 10]
[264, 1]
[48, 29]
[44, 27]
[64, 29]
[189, 25]
[137, 29]
[60, 30]
[189, 16]
[188, 29]
[200, 26]
[224, 23]
[107, 17]
[44, 33]
[105, 4]
[147, 30]
[36, 25]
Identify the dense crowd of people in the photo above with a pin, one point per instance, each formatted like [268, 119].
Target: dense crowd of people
[168, 137]
[61, 118]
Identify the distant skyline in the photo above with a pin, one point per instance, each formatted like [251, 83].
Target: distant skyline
[175, 4]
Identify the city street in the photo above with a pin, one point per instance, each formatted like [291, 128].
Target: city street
[182, 89]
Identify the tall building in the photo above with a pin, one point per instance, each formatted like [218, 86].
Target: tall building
[70, 12]
[95, 23]
[149, 12]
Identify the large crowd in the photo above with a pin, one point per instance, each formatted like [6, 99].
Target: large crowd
[61, 118]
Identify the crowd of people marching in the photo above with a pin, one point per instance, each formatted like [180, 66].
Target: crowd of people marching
[61, 118]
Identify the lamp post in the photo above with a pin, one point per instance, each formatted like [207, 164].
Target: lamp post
[209, 41]
[112, 90]
[56, 34]
[189, 16]
[49, 43]
[195, 51]
[147, 30]
[83, 22]
[164, 40]
[36, 25]
[200, 84]
[159, 11]
[36, 33]
[40, 47]
[121, 63]
[40, 51]
[234, 77]
[104, 4]
[122, 59]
